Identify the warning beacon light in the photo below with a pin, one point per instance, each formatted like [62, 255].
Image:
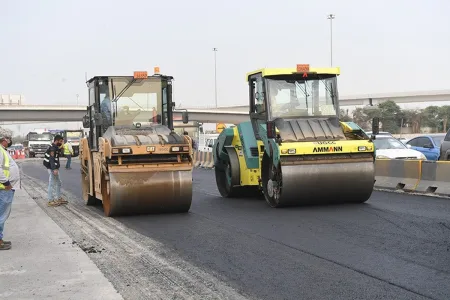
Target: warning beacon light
[140, 74]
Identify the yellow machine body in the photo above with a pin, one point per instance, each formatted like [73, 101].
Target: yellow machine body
[291, 152]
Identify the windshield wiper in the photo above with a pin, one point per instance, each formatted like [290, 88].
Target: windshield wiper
[124, 90]
[305, 92]
[136, 103]
[330, 90]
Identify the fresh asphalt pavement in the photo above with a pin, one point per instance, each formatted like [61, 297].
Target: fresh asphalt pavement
[395, 246]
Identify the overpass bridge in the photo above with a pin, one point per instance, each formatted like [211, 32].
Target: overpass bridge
[234, 114]
[364, 100]
[53, 113]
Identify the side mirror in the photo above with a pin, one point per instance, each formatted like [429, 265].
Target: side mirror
[158, 119]
[86, 122]
[429, 146]
[375, 126]
[98, 119]
[185, 117]
[408, 146]
[270, 127]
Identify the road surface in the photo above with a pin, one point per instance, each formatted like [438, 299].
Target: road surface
[392, 247]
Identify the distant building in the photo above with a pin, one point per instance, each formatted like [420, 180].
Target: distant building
[11, 99]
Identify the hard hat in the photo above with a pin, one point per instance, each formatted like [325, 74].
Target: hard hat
[5, 134]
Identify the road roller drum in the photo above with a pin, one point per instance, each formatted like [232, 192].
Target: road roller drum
[149, 192]
[326, 183]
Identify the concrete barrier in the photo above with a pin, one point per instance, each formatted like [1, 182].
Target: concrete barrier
[426, 177]
[394, 174]
[435, 178]
[203, 160]
[397, 174]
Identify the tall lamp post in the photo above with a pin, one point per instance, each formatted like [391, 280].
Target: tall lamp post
[215, 74]
[331, 18]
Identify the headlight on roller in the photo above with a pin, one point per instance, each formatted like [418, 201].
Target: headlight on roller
[288, 151]
[126, 150]
[175, 149]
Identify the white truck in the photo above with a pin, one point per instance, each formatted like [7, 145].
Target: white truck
[206, 142]
[37, 142]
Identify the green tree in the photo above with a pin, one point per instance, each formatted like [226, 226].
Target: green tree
[413, 118]
[359, 117]
[444, 115]
[363, 116]
[391, 115]
[431, 117]
[343, 116]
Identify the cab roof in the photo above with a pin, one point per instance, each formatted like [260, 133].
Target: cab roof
[136, 75]
[129, 77]
[290, 71]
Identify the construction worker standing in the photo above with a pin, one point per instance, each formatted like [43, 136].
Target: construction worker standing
[68, 152]
[9, 182]
[51, 162]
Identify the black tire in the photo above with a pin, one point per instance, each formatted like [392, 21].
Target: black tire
[266, 170]
[228, 180]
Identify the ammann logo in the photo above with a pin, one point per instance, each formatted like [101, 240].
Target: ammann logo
[328, 149]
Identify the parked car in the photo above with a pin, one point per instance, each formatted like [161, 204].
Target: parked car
[381, 133]
[391, 148]
[445, 147]
[429, 145]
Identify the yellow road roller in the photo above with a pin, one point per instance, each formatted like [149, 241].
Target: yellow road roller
[294, 150]
[132, 159]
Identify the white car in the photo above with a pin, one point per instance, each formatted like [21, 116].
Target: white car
[391, 148]
[381, 133]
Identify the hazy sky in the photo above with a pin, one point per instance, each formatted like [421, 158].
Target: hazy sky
[381, 46]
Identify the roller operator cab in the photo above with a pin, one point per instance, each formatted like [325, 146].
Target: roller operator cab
[294, 149]
[132, 160]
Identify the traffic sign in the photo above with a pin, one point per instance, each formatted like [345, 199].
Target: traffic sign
[220, 127]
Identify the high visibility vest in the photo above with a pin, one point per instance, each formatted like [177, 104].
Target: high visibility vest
[66, 149]
[5, 165]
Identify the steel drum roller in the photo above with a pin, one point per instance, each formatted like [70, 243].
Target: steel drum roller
[350, 182]
[149, 192]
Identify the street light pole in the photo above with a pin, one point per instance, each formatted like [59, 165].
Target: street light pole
[215, 74]
[331, 17]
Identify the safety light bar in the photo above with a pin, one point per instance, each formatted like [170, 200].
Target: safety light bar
[140, 74]
[302, 68]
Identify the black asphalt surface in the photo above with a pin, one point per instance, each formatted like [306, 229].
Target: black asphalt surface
[392, 247]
